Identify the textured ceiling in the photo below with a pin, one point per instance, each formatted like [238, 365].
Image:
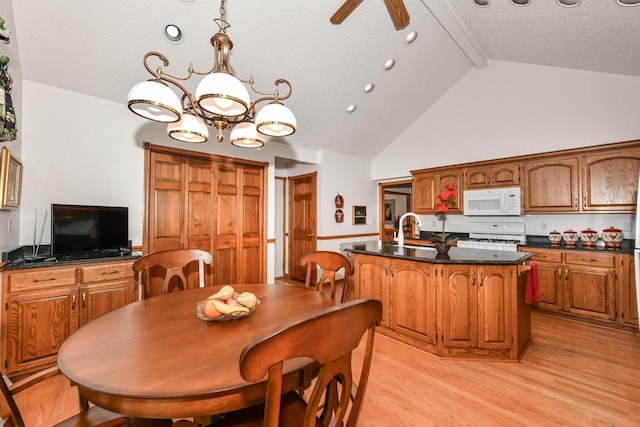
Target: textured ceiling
[96, 48]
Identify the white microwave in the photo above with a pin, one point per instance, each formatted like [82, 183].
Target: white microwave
[492, 202]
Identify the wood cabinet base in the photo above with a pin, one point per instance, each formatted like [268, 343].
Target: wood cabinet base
[450, 310]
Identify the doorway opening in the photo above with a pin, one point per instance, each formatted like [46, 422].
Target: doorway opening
[395, 200]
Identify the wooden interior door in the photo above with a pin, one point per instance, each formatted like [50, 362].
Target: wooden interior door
[302, 220]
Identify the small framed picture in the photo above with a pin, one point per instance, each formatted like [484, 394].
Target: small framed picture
[359, 215]
[10, 180]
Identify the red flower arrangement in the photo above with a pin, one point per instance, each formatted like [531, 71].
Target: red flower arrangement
[442, 207]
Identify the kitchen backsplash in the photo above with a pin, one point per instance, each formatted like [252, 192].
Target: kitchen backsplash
[540, 225]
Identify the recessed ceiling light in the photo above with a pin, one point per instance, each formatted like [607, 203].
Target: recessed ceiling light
[628, 2]
[389, 64]
[411, 37]
[520, 2]
[481, 3]
[369, 88]
[173, 33]
[351, 108]
[568, 3]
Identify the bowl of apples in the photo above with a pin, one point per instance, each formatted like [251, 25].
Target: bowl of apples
[226, 304]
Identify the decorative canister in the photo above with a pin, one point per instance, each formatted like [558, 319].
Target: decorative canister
[570, 237]
[589, 238]
[612, 237]
[555, 237]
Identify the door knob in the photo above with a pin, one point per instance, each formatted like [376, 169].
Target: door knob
[311, 235]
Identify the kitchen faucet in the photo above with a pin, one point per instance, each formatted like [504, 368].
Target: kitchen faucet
[401, 232]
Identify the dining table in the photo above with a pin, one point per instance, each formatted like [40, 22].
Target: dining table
[155, 358]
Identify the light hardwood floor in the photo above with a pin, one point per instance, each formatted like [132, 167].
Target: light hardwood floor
[573, 374]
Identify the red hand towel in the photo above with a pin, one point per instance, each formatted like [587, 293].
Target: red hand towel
[532, 292]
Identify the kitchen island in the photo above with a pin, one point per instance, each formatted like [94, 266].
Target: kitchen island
[468, 303]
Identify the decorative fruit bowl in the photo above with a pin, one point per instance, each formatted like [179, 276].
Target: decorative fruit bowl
[226, 304]
[235, 315]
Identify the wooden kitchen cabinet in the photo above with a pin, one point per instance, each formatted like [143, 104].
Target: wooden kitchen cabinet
[476, 309]
[43, 306]
[414, 301]
[590, 284]
[371, 280]
[626, 307]
[451, 310]
[428, 184]
[551, 185]
[610, 180]
[578, 282]
[492, 175]
[550, 278]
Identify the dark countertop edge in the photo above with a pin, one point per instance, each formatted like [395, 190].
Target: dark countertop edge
[410, 254]
[30, 265]
[542, 242]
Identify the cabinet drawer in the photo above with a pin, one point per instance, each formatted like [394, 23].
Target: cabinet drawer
[40, 278]
[107, 272]
[590, 258]
[544, 256]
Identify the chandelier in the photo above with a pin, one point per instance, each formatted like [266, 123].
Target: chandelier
[221, 100]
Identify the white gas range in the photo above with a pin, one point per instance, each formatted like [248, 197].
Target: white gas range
[496, 236]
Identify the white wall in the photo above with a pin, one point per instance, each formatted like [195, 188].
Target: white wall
[10, 50]
[510, 109]
[85, 150]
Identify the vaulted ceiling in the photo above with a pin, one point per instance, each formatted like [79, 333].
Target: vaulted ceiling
[96, 48]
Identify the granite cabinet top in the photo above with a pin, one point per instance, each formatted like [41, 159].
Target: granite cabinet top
[428, 254]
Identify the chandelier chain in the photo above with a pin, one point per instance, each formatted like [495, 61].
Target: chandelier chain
[222, 10]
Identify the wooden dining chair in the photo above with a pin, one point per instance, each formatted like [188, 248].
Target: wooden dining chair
[173, 261]
[329, 337]
[329, 262]
[94, 416]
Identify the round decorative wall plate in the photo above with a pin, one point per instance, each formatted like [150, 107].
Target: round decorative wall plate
[339, 215]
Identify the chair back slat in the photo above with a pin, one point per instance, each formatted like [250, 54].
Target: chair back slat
[329, 262]
[173, 262]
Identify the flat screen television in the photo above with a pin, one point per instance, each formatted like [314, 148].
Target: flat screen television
[88, 231]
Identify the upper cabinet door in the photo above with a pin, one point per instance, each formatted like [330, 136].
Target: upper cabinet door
[610, 181]
[423, 192]
[446, 178]
[497, 175]
[427, 186]
[551, 185]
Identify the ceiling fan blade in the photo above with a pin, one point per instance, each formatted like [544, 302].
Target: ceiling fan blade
[398, 12]
[344, 11]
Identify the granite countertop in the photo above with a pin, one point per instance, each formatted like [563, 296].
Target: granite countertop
[428, 254]
[627, 246]
[20, 259]
[22, 265]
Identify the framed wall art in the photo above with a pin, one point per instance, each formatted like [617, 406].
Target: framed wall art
[10, 180]
[389, 212]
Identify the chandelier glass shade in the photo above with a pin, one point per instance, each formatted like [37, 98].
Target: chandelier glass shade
[154, 100]
[189, 128]
[245, 135]
[275, 119]
[221, 100]
[221, 93]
